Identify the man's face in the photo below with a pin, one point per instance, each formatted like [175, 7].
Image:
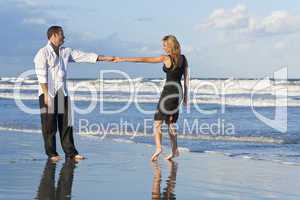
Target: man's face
[59, 38]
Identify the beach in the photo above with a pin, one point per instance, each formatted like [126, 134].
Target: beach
[133, 101]
[251, 161]
[121, 169]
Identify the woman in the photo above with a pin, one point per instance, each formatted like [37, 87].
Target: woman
[175, 65]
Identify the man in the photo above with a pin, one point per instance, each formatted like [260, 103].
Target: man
[51, 64]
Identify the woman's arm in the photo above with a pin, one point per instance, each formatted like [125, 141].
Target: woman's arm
[186, 82]
[160, 59]
[142, 59]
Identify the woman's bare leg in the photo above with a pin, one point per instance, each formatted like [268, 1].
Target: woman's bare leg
[157, 139]
[173, 140]
[55, 158]
[156, 194]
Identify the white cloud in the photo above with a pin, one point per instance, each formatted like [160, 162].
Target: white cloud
[146, 50]
[187, 49]
[278, 22]
[238, 19]
[30, 3]
[38, 21]
[235, 18]
[151, 50]
[280, 45]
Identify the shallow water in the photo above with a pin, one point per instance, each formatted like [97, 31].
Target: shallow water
[117, 169]
[251, 138]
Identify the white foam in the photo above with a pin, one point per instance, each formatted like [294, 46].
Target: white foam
[20, 130]
[183, 149]
[247, 157]
[202, 86]
[258, 139]
[237, 94]
[289, 163]
[120, 140]
[230, 101]
[214, 152]
[254, 139]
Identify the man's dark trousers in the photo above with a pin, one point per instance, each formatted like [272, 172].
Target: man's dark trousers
[57, 117]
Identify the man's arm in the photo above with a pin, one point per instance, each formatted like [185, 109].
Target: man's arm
[40, 62]
[44, 87]
[80, 56]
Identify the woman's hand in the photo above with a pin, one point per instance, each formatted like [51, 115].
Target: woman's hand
[185, 102]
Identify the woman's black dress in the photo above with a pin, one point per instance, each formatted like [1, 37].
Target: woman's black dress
[172, 94]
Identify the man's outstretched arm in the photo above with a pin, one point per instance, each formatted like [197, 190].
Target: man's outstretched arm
[80, 56]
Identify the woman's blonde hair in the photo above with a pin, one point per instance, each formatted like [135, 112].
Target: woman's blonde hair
[175, 49]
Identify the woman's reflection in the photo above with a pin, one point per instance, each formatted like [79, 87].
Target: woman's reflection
[46, 188]
[168, 192]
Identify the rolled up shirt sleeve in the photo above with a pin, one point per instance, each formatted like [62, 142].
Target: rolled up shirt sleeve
[80, 56]
[40, 62]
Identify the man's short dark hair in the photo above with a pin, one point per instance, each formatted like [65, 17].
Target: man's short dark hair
[52, 30]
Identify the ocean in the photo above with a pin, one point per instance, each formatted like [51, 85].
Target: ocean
[248, 118]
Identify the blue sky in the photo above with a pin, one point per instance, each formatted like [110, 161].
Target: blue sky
[220, 38]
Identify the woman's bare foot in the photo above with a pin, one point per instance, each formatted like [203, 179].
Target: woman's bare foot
[79, 157]
[156, 154]
[174, 154]
[55, 158]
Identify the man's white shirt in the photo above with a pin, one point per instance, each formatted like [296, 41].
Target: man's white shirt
[52, 69]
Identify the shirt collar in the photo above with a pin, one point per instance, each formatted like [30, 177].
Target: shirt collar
[49, 46]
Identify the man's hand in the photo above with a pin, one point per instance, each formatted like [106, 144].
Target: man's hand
[48, 100]
[46, 97]
[48, 104]
[44, 87]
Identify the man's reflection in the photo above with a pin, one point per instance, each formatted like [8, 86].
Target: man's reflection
[46, 188]
[168, 192]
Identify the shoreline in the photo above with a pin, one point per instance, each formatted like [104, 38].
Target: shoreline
[118, 169]
[139, 139]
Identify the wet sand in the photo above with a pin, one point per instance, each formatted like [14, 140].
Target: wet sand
[120, 169]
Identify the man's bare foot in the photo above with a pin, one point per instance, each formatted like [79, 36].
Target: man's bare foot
[79, 157]
[55, 158]
[156, 154]
[173, 155]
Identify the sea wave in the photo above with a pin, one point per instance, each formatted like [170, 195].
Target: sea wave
[148, 98]
[237, 92]
[225, 138]
[197, 86]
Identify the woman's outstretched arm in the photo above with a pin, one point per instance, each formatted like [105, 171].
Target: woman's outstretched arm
[160, 59]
